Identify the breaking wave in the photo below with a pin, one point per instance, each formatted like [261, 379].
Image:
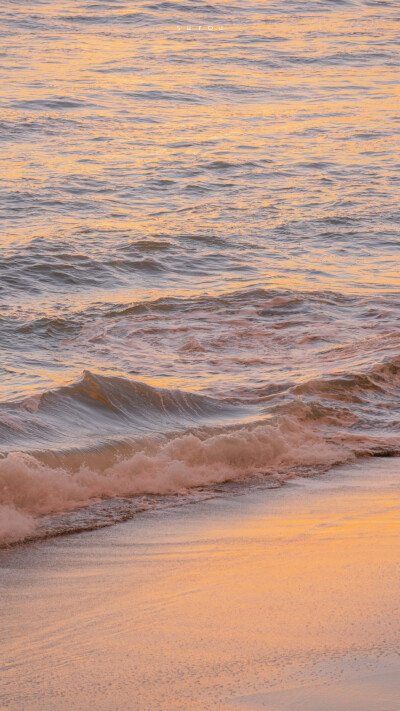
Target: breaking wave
[31, 488]
[307, 427]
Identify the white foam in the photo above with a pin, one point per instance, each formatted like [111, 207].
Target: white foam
[29, 488]
[14, 525]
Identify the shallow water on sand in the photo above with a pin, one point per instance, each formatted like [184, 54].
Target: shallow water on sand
[200, 264]
[285, 600]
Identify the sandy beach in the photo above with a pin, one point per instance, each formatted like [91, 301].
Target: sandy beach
[199, 355]
[282, 599]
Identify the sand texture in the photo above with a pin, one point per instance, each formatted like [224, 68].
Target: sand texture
[283, 599]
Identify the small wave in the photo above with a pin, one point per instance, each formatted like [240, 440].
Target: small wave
[134, 18]
[150, 245]
[163, 95]
[146, 265]
[98, 407]
[183, 7]
[382, 379]
[59, 271]
[123, 396]
[58, 102]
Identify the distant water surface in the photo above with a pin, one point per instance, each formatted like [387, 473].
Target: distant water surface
[199, 266]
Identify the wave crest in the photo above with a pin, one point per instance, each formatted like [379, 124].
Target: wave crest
[98, 407]
[305, 427]
[31, 488]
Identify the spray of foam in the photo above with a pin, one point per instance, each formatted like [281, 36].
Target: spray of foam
[29, 488]
[15, 525]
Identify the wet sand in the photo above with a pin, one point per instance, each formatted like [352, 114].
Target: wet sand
[284, 599]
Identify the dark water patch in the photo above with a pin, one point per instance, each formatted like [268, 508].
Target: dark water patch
[196, 7]
[163, 95]
[49, 327]
[63, 270]
[109, 18]
[152, 245]
[52, 103]
[141, 265]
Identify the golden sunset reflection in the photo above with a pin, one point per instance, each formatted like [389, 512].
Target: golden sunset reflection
[199, 355]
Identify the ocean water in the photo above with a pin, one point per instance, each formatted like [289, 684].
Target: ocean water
[199, 267]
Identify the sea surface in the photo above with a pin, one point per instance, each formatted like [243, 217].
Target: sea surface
[200, 258]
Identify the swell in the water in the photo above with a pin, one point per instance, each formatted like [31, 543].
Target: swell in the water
[307, 427]
[99, 407]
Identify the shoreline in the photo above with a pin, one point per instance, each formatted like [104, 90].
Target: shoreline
[280, 599]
